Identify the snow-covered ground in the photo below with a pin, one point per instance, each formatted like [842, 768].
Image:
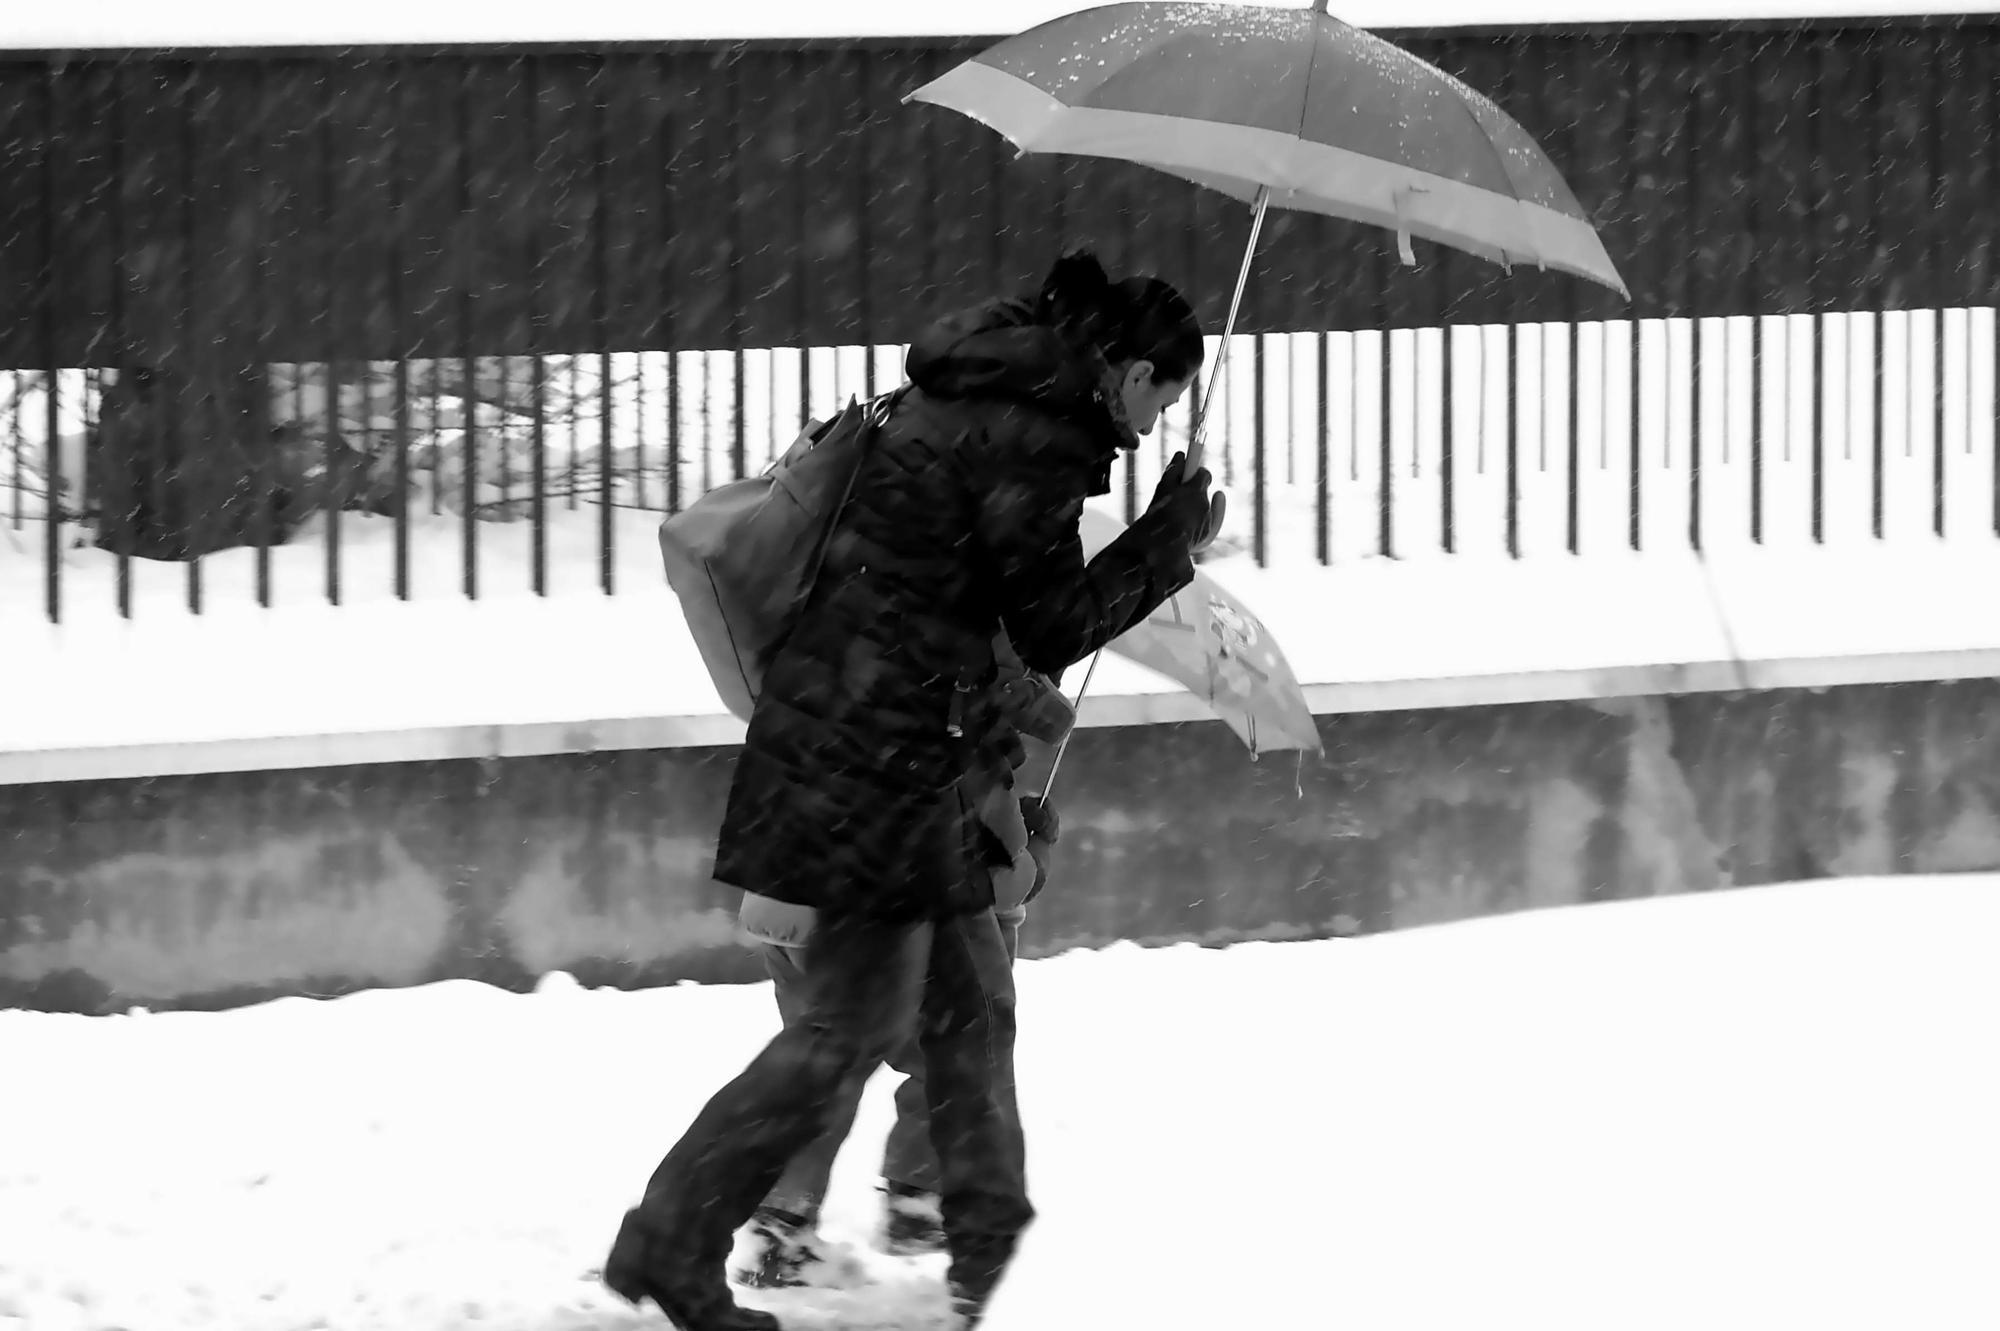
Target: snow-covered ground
[1771, 1108]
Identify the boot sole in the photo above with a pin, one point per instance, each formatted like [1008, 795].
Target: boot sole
[637, 1291]
[625, 1275]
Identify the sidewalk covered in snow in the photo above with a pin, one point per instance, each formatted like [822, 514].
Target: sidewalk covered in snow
[1733, 1111]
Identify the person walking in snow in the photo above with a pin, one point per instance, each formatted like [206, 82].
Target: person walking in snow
[847, 795]
[782, 1246]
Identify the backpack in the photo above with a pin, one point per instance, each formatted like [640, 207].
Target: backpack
[744, 557]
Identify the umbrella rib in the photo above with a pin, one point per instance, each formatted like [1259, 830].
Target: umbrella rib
[1505, 174]
[1491, 146]
[1312, 67]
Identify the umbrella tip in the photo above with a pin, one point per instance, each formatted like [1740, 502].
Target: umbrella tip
[1319, 6]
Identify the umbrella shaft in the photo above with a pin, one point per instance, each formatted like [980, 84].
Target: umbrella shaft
[1063, 747]
[1235, 305]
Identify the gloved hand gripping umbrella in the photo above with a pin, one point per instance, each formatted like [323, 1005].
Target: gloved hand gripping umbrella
[1285, 107]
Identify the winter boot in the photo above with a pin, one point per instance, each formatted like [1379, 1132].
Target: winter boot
[912, 1224]
[645, 1264]
[780, 1250]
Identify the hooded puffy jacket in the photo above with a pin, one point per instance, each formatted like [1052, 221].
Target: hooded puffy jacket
[962, 526]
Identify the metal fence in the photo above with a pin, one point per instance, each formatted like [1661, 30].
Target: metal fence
[546, 475]
[420, 322]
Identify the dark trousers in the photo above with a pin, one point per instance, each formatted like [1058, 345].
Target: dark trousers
[867, 985]
[908, 1157]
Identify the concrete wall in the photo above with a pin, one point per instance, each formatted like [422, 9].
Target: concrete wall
[211, 890]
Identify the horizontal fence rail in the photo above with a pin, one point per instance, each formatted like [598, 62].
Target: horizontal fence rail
[548, 475]
[383, 206]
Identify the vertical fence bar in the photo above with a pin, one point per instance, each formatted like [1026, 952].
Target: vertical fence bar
[1386, 409]
[1937, 412]
[1816, 409]
[122, 334]
[260, 310]
[1909, 412]
[196, 409]
[538, 340]
[673, 431]
[739, 457]
[1872, 234]
[400, 334]
[607, 531]
[538, 492]
[805, 387]
[468, 526]
[707, 415]
[1692, 306]
[51, 359]
[1694, 427]
[1291, 412]
[601, 322]
[771, 426]
[573, 405]
[639, 427]
[1757, 426]
[468, 363]
[1575, 514]
[147, 383]
[330, 408]
[266, 436]
[365, 386]
[52, 457]
[1816, 424]
[435, 366]
[19, 439]
[1513, 399]
[401, 371]
[503, 430]
[865, 225]
[93, 425]
[1257, 454]
[1877, 410]
[1941, 84]
[1633, 415]
[1447, 460]
[1324, 544]
[329, 457]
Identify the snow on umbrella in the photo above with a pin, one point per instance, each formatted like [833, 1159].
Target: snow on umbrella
[1288, 107]
[1210, 644]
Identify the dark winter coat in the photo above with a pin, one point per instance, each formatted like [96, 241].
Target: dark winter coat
[963, 522]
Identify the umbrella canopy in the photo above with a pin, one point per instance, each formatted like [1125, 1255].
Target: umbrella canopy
[1210, 644]
[1289, 107]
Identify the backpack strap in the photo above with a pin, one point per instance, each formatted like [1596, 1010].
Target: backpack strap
[873, 417]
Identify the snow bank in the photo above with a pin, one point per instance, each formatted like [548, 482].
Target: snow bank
[583, 670]
[1754, 1109]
